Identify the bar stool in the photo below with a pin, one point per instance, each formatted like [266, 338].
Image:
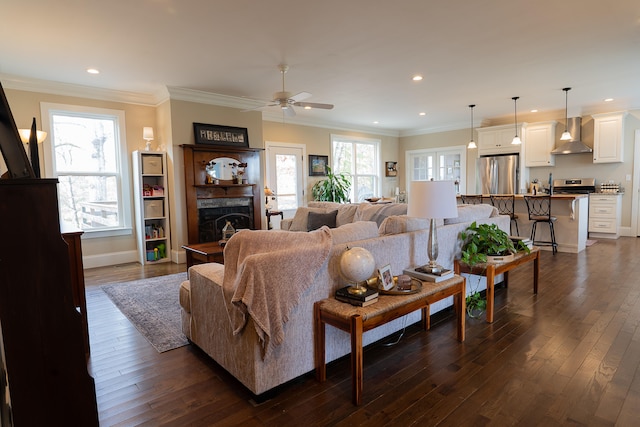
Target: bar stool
[539, 208]
[471, 199]
[506, 206]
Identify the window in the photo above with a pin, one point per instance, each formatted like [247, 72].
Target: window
[358, 159]
[87, 152]
[446, 163]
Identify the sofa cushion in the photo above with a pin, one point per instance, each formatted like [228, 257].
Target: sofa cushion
[360, 230]
[470, 213]
[377, 213]
[300, 219]
[185, 298]
[316, 220]
[397, 224]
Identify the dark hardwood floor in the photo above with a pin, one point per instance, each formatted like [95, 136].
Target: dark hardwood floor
[568, 356]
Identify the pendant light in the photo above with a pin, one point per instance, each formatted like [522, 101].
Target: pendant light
[472, 143]
[566, 135]
[516, 139]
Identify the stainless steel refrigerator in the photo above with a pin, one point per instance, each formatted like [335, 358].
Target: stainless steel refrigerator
[498, 174]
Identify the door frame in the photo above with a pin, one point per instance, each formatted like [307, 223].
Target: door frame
[268, 145]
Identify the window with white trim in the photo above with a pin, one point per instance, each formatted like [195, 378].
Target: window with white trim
[358, 159]
[86, 151]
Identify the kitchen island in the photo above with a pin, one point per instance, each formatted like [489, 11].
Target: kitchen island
[571, 227]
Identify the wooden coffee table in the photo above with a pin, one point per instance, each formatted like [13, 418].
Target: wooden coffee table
[491, 270]
[199, 253]
[357, 320]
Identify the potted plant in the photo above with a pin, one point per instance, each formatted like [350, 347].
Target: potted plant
[481, 244]
[335, 188]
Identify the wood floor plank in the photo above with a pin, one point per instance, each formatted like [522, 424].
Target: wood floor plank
[567, 356]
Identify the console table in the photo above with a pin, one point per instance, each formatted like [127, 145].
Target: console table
[357, 320]
[491, 270]
[204, 252]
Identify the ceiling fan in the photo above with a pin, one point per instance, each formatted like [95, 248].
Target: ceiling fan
[286, 101]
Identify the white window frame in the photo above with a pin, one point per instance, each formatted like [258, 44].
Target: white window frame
[436, 153]
[378, 166]
[47, 110]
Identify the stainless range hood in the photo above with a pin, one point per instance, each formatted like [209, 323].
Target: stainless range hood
[575, 146]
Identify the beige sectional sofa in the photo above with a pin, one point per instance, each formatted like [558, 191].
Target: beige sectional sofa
[397, 240]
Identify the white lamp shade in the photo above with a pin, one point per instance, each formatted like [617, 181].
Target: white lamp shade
[432, 199]
[147, 133]
[566, 136]
[516, 140]
[472, 145]
[25, 135]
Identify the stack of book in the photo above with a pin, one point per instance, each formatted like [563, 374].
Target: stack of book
[370, 296]
[527, 241]
[421, 274]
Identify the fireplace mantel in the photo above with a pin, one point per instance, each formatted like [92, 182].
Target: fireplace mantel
[197, 190]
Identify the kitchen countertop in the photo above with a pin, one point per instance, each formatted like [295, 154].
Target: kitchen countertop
[553, 197]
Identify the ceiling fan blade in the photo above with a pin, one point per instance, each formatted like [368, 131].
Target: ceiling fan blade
[289, 111]
[313, 105]
[300, 96]
[262, 107]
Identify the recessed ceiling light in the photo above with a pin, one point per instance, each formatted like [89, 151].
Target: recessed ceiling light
[534, 111]
[608, 100]
[93, 71]
[306, 107]
[417, 78]
[422, 114]
[376, 122]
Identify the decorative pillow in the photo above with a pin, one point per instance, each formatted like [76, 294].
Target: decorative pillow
[397, 224]
[378, 213]
[299, 221]
[355, 231]
[316, 220]
[470, 213]
[346, 213]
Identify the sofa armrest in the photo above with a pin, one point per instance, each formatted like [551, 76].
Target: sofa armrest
[285, 224]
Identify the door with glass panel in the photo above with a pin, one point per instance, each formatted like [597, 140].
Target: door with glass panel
[441, 164]
[285, 177]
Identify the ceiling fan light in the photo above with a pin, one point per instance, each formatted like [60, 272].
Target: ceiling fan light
[566, 136]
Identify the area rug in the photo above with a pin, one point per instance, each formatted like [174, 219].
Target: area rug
[153, 306]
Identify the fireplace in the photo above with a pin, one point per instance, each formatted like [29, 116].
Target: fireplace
[211, 205]
[213, 214]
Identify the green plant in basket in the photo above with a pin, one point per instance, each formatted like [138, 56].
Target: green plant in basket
[478, 241]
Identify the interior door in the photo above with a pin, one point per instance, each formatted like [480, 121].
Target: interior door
[285, 177]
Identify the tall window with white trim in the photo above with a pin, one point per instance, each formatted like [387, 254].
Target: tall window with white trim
[358, 159]
[87, 153]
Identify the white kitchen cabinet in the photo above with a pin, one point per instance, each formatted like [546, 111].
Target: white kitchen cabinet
[540, 140]
[608, 137]
[605, 215]
[497, 140]
[152, 206]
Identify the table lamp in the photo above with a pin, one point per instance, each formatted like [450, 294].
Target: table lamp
[432, 200]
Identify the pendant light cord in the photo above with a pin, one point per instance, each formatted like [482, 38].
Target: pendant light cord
[515, 112]
[471, 106]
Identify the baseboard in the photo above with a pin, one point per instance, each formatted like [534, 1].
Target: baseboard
[112, 258]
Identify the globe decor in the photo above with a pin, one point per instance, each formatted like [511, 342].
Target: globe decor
[357, 265]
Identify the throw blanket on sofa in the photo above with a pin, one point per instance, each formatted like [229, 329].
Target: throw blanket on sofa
[266, 272]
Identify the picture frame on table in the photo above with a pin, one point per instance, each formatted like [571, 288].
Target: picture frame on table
[318, 165]
[386, 278]
[207, 134]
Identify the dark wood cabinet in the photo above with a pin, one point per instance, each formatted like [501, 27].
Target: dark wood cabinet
[42, 331]
[210, 205]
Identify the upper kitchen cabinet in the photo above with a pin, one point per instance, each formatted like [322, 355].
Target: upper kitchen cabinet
[608, 137]
[497, 140]
[539, 143]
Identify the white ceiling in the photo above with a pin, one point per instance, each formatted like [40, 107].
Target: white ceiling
[357, 54]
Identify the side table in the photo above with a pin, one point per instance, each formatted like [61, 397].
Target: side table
[269, 214]
[204, 252]
[357, 320]
[491, 270]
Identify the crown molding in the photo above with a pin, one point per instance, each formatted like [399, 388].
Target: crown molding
[436, 129]
[297, 120]
[202, 97]
[80, 91]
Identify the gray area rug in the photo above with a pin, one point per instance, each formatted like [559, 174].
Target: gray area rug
[153, 306]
